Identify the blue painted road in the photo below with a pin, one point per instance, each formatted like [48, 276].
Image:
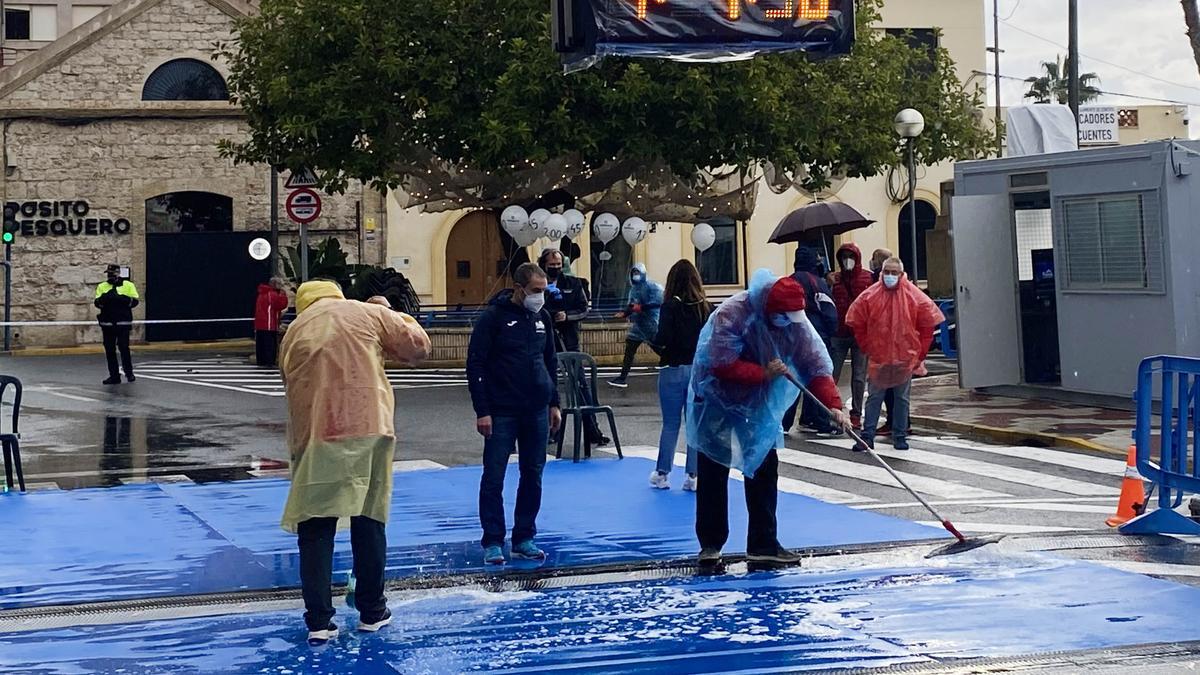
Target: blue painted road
[895, 610]
[145, 541]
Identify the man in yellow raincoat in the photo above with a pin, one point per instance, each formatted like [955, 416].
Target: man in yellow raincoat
[341, 437]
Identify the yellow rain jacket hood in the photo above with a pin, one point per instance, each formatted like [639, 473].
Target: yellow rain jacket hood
[341, 429]
[312, 291]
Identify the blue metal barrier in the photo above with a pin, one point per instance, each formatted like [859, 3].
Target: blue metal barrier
[1177, 471]
[945, 340]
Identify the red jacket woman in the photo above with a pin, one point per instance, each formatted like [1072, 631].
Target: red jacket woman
[269, 306]
[848, 284]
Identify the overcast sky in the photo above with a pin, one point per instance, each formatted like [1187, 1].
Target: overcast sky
[1137, 47]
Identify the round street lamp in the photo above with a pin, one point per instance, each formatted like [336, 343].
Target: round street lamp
[909, 124]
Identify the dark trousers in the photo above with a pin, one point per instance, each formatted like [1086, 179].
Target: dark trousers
[527, 435]
[712, 504]
[810, 415]
[117, 337]
[631, 347]
[266, 348]
[369, 544]
[568, 336]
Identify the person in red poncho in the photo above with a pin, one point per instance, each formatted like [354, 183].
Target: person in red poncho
[893, 322]
[849, 282]
[268, 307]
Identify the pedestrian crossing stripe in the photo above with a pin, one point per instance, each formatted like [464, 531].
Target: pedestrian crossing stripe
[237, 375]
[999, 472]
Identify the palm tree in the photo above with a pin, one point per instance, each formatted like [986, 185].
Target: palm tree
[1054, 85]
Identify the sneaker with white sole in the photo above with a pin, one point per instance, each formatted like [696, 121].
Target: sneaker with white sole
[689, 483]
[493, 555]
[373, 626]
[658, 480]
[619, 383]
[528, 551]
[320, 637]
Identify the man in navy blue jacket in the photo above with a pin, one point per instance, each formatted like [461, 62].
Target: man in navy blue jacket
[512, 369]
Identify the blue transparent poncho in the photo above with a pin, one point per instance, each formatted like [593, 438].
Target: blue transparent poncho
[738, 424]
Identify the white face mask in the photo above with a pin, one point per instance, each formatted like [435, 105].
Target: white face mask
[849, 264]
[891, 280]
[534, 302]
[785, 319]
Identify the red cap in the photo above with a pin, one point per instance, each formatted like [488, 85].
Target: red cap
[787, 295]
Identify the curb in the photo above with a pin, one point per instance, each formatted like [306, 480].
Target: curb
[231, 346]
[1013, 435]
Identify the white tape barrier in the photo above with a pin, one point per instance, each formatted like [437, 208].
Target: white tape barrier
[122, 323]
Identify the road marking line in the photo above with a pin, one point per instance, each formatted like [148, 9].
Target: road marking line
[202, 383]
[874, 474]
[1101, 465]
[1003, 528]
[73, 397]
[790, 485]
[162, 478]
[986, 469]
[976, 502]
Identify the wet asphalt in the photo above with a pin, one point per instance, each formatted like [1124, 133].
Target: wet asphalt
[79, 433]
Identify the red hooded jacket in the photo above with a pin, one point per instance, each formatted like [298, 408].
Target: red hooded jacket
[268, 307]
[848, 285]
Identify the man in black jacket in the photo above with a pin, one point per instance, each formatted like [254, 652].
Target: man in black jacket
[116, 298]
[566, 300]
[512, 368]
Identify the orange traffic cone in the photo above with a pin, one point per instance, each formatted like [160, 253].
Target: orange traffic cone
[1133, 497]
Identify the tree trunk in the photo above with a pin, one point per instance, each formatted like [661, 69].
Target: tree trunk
[1191, 15]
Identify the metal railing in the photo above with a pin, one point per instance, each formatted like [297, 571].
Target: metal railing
[1177, 470]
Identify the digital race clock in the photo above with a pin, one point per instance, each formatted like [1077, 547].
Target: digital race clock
[702, 30]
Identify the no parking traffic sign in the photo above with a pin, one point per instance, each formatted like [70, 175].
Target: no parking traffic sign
[303, 206]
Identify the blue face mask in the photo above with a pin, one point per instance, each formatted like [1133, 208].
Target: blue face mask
[780, 320]
[891, 280]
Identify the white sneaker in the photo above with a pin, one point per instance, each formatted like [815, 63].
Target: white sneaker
[689, 483]
[659, 481]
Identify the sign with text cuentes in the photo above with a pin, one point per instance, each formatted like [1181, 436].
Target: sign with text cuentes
[1098, 126]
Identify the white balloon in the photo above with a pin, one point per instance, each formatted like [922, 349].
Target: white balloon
[634, 230]
[525, 237]
[537, 220]
[514, 219]
[605, 227]
[703, 237]
[575, 221]
[555, 227]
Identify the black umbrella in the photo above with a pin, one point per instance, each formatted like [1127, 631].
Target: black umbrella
[817, 221]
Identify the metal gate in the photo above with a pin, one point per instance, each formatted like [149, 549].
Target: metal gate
[197, 276]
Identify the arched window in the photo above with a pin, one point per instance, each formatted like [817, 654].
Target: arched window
[189, 211]
[185, 80]
[926, 220]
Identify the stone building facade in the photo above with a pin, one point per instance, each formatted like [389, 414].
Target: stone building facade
[95, 118]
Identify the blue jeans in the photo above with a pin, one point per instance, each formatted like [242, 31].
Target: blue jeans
[672, 398]
[898, 412]
[527, 435]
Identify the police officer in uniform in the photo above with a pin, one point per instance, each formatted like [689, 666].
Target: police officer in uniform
[116, 298]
